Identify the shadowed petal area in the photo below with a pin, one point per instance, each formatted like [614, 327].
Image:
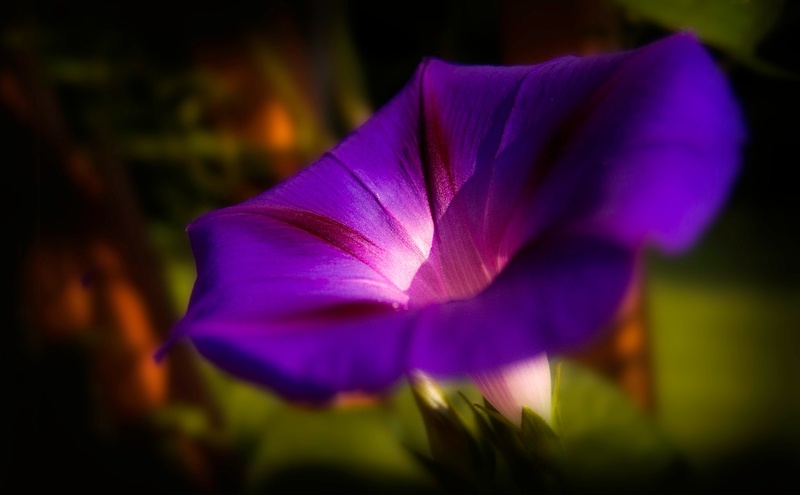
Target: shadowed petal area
[481, 217]
[312, 359]
[553, 296]
[650, 155]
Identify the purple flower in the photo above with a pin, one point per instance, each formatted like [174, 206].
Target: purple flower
[483, 216]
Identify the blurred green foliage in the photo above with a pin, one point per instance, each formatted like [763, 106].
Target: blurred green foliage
[734, 26]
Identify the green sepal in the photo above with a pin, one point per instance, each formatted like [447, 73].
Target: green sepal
[542, 450]
[537, 436]
[447, 436]
[505, 435]
[483, 436]
[458, 459]
[489, 454]
[530, 452]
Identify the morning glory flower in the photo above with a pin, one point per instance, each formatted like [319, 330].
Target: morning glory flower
[483, 216]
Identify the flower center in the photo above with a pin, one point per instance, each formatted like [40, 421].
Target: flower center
[457, 268]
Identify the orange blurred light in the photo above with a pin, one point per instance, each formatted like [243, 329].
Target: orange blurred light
[136, 384]
[272, 126]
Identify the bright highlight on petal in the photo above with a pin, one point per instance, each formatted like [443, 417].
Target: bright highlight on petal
[482, 217]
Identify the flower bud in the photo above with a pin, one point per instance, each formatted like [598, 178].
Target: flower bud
[521, 384]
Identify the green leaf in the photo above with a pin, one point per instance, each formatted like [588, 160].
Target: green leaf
[247, 412]
[190, 420]
[555, 404]
[326, 444]
[609, 442]
[733, 26]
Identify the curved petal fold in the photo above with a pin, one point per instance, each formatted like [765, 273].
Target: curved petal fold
[649, 154]
[553, 296]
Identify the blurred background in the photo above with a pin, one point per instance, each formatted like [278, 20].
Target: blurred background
[123, 121]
